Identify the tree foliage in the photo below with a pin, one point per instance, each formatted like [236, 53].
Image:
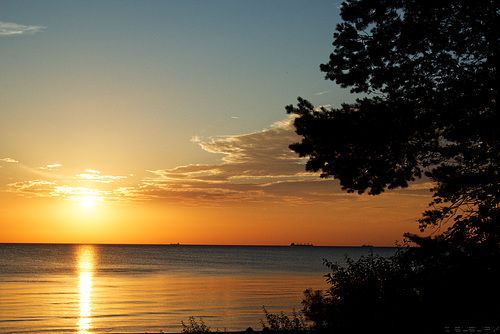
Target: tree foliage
[429, 71]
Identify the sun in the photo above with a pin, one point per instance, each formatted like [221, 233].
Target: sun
[88, 202]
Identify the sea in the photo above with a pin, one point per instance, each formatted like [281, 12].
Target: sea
[77, 288]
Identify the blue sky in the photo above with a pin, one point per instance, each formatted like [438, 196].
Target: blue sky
[167, 70]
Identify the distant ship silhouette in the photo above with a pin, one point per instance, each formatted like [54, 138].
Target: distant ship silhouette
[300, 244]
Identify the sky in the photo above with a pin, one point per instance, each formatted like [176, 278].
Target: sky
[165, 122]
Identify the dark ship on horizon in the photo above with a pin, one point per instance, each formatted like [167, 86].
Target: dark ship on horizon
[300, 244]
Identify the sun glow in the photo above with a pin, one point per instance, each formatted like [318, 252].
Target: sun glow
[88, 202]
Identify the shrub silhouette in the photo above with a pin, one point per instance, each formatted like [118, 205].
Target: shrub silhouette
[196, 328]
[282, 323]
[415, 291]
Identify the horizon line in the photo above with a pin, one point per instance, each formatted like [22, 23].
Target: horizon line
[187, 244]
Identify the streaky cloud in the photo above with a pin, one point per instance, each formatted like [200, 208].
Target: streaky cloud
[95, 176]
[264, 147]
[50, 167]
[76, 193]
[32, 188]
[195, 139]
[252, 164]
[10, 29]
[9, 160]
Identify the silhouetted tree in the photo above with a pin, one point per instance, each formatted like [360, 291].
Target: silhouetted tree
[430, 74]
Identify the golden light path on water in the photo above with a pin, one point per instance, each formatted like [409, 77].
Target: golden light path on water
[85, 265]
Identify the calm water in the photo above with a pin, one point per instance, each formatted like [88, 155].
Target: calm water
[139, 288]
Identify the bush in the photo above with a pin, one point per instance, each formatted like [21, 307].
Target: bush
[365, 296]
[195, 327]
[416, 291]
[282, 323]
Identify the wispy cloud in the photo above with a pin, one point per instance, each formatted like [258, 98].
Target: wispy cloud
[263, 154]
[268, 148]
[64, 187]
[50, 167]
[94, 175]
[9, 29]
[58, 190]
[8, 160]
[254, 168]
[33, 188]
[76, 193]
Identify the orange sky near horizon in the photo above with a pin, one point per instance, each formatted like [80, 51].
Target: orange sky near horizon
[36, 221]
[258, 194]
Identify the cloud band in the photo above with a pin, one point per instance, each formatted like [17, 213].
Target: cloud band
[9, 29]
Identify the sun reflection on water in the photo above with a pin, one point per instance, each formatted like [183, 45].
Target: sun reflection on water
[85, 265]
